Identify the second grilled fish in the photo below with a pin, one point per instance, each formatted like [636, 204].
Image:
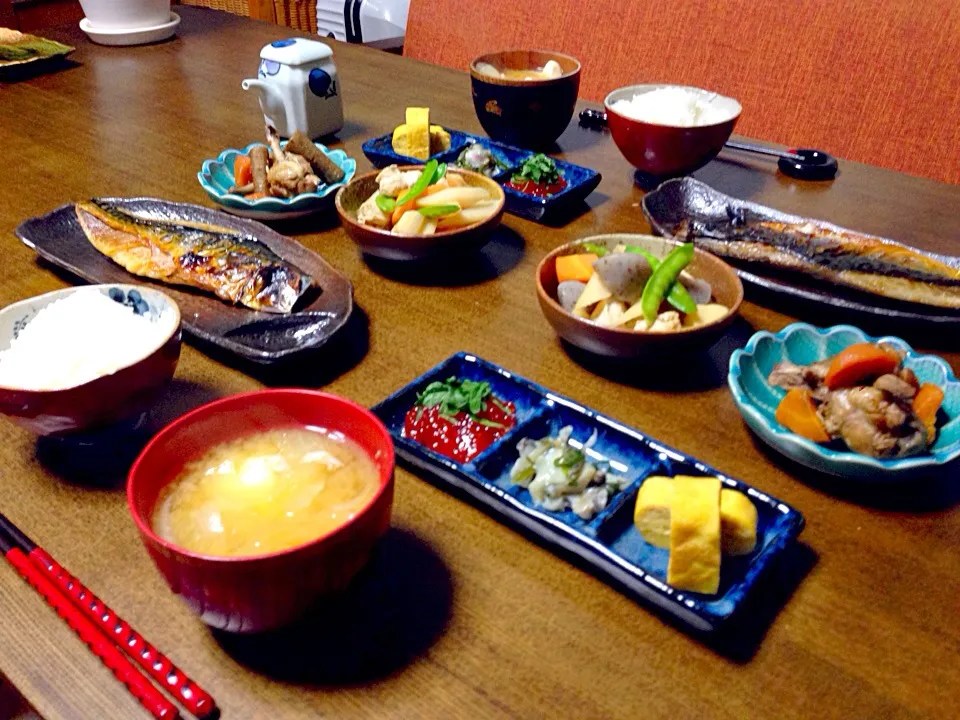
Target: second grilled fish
[235, 267]
[858, 261]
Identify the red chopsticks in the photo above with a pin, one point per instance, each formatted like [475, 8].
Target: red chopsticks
[107, 634]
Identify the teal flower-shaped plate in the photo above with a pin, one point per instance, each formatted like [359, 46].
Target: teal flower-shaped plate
[216, 178]
[804, 344]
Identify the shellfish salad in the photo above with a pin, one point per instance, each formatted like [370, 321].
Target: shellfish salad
[425, 202]
[630, 288]
[561, 473]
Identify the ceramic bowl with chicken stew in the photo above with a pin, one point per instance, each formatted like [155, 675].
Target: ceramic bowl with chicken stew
[842, 402]
[412, 212]
[292, 190]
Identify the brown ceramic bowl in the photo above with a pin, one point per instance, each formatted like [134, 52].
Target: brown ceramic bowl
[390, 246]
[106, 399]
[528, 113]
[626, 343]
[665, 150]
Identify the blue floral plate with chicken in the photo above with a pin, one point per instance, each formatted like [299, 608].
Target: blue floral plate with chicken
[216, 178]
[804, 344]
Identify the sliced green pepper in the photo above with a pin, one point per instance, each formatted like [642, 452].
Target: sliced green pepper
[422, 183]
[662, 279]
[434, 211]
[595, 248]
[441, 171]
[386, 203]
[678, 296]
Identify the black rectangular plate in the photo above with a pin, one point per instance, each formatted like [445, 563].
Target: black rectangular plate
[688, 199]
[262, 337]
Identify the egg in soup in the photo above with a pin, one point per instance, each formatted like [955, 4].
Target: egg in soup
[266, 492]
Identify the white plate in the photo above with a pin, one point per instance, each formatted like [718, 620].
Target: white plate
[139, 36]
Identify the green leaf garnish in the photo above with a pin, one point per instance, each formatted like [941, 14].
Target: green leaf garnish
[455, 395]
[539, 169]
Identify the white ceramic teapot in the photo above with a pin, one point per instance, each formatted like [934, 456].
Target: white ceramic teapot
[298, 87]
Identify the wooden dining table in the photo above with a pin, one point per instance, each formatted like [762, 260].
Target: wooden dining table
[457, 615]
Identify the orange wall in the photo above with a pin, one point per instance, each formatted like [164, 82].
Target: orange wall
[877, 81]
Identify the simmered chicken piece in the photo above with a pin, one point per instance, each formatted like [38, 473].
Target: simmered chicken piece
[862, 396]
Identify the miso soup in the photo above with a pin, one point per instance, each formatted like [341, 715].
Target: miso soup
[266, 492]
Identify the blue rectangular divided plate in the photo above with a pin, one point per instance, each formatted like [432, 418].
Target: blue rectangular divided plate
[609, 542]
[581, 181]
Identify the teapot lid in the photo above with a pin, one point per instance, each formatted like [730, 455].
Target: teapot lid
[295, 51]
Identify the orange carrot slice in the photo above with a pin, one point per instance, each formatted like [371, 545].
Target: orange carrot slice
[575, 267]
[857, 363]
[926, 404]
[242, 170]
[399, 210]
[797, 413]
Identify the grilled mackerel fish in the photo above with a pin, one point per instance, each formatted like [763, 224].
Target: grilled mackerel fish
[234, 267]
[857, 261]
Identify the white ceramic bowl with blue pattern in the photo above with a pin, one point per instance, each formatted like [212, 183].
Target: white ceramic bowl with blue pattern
[216, 178]
[804, 344]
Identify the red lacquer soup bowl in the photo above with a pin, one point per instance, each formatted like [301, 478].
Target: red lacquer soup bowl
[256, 593]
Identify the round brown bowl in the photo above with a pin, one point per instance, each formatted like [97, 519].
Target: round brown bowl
[626, 343]
[391, 246]
[104, 400]
[666, 150]
[528, 113]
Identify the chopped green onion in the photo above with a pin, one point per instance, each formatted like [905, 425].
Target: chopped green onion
[571, 457]
[488, 423]
[525, 474]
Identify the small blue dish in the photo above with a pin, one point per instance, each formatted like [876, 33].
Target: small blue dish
[216, 178]
[379, 150]
[581, 181]
[805, 344]
[609, 542]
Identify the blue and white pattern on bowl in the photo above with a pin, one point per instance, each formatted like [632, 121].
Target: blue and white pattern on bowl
[216, 178]
[803, 344]
[581, 181]
[609, 543]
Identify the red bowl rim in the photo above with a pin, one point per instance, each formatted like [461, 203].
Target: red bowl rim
[185, 419]
[608, 107]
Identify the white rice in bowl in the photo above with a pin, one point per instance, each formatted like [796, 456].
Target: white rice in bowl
[677, 107]
[79, 338]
